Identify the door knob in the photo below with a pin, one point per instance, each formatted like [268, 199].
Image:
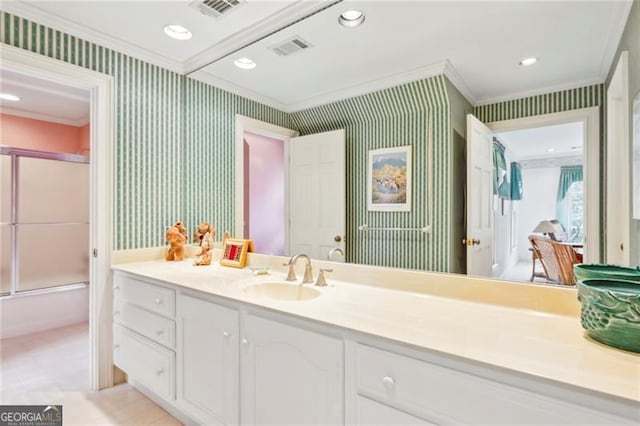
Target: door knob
[337, 238]
[470, 242]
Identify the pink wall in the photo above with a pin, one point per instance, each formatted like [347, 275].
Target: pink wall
[265, 186]
[19, 132]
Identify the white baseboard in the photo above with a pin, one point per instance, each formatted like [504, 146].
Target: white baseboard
[39, 312]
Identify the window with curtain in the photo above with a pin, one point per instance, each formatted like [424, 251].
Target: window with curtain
[570, 202]
[516, 181]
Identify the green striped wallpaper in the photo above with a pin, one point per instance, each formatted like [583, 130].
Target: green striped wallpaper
[209, 151]
[173, 136]
[414, 114]
[564, 100]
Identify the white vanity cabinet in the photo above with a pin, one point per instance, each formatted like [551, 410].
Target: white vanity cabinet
[404, 390]
[211, 360]
[144, 333]
[208, 360]
[290, 375]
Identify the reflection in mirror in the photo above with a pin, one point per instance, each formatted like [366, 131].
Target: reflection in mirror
[369, 81]
[544, 200]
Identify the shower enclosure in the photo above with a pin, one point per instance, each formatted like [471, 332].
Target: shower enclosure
[44, 220]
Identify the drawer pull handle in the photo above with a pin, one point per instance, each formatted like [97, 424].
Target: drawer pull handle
[226, 334]
[116, 346]
[158, 301]
[245, 342]
[160, 371]
[160, 332]
[116, 313]
[117, 287]
[388, 382]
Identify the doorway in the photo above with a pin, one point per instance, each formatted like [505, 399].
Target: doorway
[266, 212]
[100, 87]
[545, 178]
[499, 206]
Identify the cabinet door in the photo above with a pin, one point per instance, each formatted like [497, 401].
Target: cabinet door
[208, 370]
[290, 375]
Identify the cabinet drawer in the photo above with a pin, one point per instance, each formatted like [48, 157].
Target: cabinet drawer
[445, 395]
[373, 413]
[144, 361]
[155, 327]
[151, 297]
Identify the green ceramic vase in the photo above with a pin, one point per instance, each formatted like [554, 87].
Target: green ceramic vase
[584, 271]
[611, 312]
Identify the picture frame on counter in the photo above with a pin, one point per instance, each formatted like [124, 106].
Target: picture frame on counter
[234, 252]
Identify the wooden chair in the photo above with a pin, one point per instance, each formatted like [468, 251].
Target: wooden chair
[557, 259]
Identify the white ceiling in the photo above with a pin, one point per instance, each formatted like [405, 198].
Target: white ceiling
[135, 27]
[44, 100]
[476, 43]
[483, 41]
[565, 139]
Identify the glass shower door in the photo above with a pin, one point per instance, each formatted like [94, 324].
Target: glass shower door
[44, 220]
[52, 223]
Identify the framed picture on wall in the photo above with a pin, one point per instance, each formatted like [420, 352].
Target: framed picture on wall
[635, 164]
[389, 179]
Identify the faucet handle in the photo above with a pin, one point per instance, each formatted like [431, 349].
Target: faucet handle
[321, 281]
[291, 275]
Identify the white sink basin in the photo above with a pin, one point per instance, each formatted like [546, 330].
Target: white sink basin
[282, 291]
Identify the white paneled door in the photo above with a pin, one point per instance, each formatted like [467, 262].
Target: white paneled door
[317, 194]
[479, 239]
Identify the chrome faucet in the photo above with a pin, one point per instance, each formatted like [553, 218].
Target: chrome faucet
[308, 272]
[334, 250]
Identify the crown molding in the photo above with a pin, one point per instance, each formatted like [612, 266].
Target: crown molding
[45, 117]
[541, 91]
[614, 38]
[210, 79]
[275, 22]
[35, 14]
[368, 87]
[48, 90]
[344, 93]
[459, 83]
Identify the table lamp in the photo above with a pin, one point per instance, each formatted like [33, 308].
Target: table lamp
[547, 228]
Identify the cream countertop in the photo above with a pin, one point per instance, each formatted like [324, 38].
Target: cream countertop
[543, 344]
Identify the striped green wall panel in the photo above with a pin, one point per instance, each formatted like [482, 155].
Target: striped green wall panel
[564, 100]
[173, 154]
[174, 149]
[415, 114]
[209, 151]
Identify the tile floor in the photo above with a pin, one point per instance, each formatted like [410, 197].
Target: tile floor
[52, 367]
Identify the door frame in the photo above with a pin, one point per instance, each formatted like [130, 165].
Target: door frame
[590, 118]
[246, 124]
[618, 148]
[100, 87]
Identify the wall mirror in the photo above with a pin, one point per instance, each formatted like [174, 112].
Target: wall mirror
[314, 71]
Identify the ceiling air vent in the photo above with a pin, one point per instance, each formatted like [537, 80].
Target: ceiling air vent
[216, 8]
[290, 46]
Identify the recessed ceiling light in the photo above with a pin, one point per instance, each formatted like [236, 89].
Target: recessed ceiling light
[9, 97]
[528, 61]
[245, 63]
[178, 32]
[551, 150]
[351, 18]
